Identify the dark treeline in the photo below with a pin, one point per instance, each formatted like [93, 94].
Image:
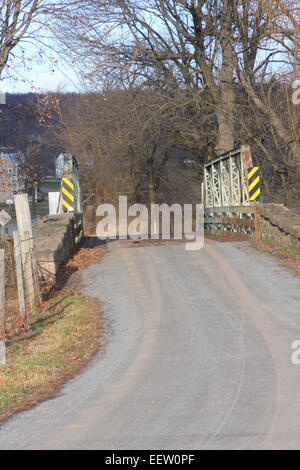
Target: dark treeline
[22, 130]
[126, 140]
[132, 135]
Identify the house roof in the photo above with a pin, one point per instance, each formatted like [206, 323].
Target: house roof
[15, 158]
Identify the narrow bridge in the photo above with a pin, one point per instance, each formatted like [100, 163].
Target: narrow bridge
[228, 199]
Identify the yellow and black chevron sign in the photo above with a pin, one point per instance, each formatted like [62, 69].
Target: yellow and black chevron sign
[67, 190]
[254, 184]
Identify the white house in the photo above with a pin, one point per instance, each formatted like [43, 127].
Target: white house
[59, 166]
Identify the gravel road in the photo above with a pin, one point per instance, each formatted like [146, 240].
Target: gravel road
[196, 355]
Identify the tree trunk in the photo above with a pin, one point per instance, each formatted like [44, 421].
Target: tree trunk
[225, 109]
[151, 183]
[225, 141]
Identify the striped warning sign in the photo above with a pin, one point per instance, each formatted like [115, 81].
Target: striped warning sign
[254, 184]
[67, 190]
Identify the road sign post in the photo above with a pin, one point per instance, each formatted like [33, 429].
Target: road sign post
[254, 184]
[68, 194]
[4, 219]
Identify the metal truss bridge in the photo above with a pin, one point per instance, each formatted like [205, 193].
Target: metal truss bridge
[230, 191]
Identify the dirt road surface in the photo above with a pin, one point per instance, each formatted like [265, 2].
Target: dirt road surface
[196, 355]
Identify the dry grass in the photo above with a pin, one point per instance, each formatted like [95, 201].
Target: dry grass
[68, 275]
[290, 258]
[58, 344]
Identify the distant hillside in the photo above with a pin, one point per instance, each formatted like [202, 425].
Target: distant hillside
[21, 130]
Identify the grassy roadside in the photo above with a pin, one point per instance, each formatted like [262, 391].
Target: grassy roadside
[288, 257]
[57, 345]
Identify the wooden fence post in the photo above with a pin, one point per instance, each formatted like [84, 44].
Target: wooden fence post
[23, 216]
[35, 268]
[2, 291]
[13, 261]
[256, 225]
[26, 238]
[19, 273]
[28, 274]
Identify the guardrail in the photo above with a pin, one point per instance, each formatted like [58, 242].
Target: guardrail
[232, 219]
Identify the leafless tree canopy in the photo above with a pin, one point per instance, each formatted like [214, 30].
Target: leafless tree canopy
[17, 20]
[207, 45]
[203, 75]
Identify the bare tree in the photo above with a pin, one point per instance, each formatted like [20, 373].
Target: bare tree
[22, 20]
[168, 44]
[268, 55]
[208, 45]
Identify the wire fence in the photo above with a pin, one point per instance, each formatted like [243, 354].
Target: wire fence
[21, 284]
[11, 316]
[22, 279]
